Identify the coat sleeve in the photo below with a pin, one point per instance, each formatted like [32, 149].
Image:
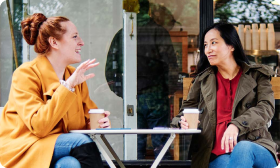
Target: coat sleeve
[192, 101]
[259, 115]
[39, 117]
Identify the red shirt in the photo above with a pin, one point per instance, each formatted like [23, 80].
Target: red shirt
[225, 96]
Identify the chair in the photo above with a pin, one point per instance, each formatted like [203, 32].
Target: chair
[275, 82]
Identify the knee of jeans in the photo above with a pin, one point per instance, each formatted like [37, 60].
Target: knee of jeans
[67, 162]
[244, 146]
[83, 139]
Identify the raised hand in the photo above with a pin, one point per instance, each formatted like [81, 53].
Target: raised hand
[79, 76]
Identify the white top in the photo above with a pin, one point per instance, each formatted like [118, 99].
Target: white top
[138, 131]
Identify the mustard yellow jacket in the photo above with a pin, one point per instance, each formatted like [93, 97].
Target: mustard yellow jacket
[39, 109]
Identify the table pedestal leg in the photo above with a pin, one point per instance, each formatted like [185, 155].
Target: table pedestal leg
[112, 151]
[103, 152]
[163, 151]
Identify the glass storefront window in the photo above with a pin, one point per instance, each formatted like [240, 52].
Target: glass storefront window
[166, 34]
[97, 21]
[163, 28]
[7, 59]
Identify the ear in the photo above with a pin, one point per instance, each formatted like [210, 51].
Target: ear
[231, 48]
[53, 42]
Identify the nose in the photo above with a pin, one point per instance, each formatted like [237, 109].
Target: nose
[207, 49]
[81, 42]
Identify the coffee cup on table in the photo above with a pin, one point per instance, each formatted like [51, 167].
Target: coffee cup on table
[95, 116]
[191, 116]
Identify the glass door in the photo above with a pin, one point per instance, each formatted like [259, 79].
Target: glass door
[164, 58]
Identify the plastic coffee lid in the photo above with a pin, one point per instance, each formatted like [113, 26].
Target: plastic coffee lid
[191, 111]
[96, 111]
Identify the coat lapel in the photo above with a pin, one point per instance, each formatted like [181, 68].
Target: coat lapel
[245, 85]
[209, 93]
[50, 81]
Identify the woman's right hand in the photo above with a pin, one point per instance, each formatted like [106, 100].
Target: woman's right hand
[79, 76]
[184, 123]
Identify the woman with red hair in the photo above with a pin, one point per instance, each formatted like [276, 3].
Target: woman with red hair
[47, 99]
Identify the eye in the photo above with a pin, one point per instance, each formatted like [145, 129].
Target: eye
[205, 45]
[214, 42]
[75, 36]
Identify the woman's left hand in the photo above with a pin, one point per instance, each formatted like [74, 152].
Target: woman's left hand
[229, 139]
[79, 76]
[105, 122]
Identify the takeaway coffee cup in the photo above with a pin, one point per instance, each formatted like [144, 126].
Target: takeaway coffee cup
[191, 115]
[95, 116]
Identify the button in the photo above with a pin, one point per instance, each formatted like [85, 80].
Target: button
[248, 105]
[244, 123]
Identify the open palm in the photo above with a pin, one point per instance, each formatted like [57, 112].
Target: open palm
[79, 76]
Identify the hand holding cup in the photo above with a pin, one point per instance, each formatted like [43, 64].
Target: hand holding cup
[184, 123]
[105, 122]
[99, 119]
[190, 119]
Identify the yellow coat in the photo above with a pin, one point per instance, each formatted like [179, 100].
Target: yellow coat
[39, 109]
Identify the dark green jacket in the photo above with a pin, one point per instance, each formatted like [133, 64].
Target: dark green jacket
[253, 108]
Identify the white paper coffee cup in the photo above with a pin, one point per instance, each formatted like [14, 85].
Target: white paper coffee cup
[191, 116]
[95, 116]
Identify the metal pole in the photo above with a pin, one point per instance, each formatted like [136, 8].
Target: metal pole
[12, 33]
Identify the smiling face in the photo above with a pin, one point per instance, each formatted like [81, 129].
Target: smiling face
[70, 44]
[216, 50]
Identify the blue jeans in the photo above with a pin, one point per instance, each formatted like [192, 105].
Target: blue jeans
[245, 154]
[63, 145]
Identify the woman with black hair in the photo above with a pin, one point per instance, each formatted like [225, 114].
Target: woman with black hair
[236, 103]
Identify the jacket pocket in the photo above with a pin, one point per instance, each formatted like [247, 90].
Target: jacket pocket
[254, 135]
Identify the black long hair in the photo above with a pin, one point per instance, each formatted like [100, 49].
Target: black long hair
[230, 36]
